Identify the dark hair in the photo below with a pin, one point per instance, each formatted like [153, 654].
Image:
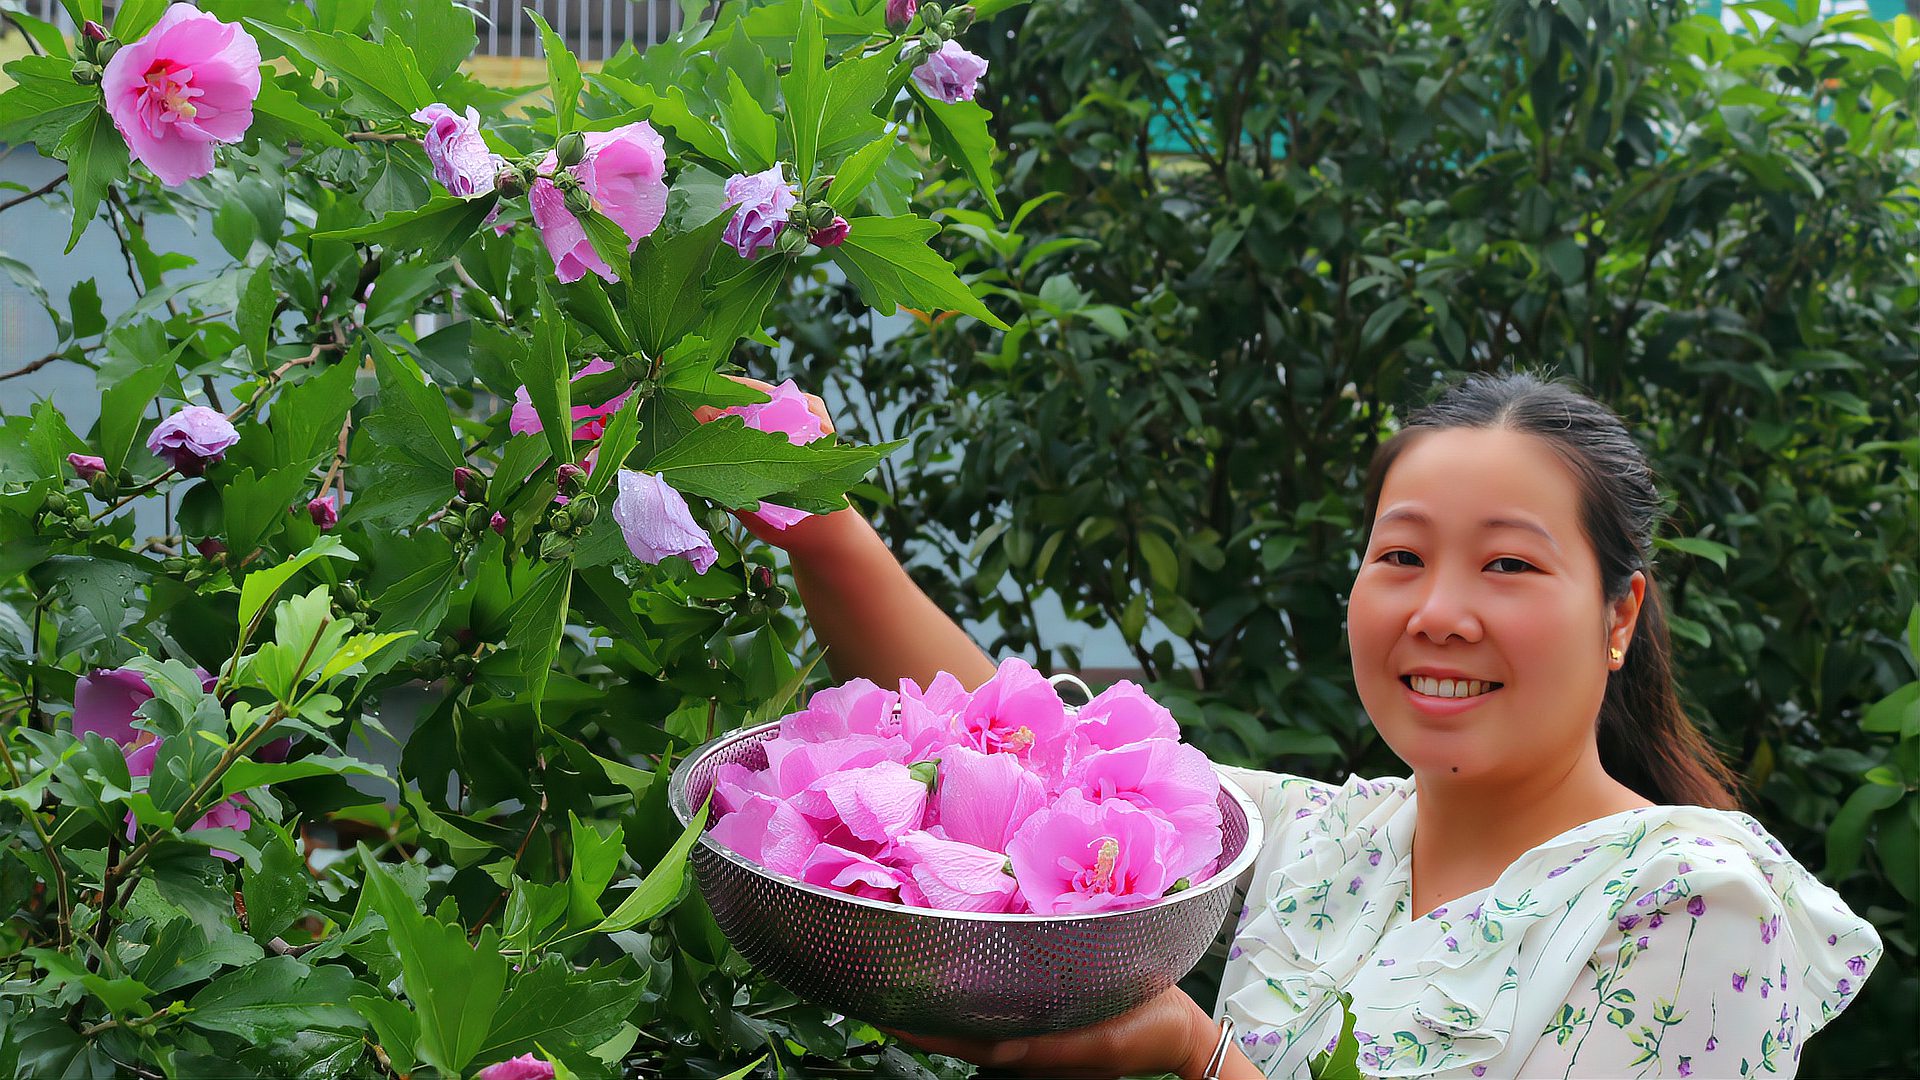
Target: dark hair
[1647, 742]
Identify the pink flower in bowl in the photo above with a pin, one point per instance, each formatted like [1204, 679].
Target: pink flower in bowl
[1078, 857]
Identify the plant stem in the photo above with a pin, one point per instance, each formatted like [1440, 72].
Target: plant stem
[46, 847]
[32, 195]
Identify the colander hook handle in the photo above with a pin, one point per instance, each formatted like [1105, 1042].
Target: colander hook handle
[1069, 679]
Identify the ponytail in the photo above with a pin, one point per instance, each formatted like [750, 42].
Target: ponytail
[1647, 741]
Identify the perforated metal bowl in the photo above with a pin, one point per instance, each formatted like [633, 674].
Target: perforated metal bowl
[953, 973]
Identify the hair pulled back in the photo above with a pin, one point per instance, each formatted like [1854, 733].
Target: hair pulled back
[1647, 741]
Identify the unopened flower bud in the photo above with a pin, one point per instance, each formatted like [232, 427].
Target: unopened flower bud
[349, 596]
[900, 13]
[584, 509]
[86, 72]
[762, 579]
[478, 517]
[579, 201]
[925, 771]
[56, 503]
[103, 487]
[569, 477]
[86, 466]
[93, 30]
[498, 523]
[570, 150]
[510, 183]
[832, 234]
[105, 52]
[210, 547]
[174, 565]
[561, 521]
[790, 242]
[324, 510]
[553, 547]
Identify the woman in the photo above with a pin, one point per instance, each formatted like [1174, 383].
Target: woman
[1561, 888]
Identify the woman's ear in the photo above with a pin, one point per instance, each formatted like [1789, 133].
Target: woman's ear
[1623, 614]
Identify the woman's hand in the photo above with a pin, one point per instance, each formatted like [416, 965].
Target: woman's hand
[1168, 1034]
[813, 530]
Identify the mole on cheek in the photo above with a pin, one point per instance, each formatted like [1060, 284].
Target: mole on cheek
[1456, 768]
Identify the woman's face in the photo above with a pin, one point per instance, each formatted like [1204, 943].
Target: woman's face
[1478, 630]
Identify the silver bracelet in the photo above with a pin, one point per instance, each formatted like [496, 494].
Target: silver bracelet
[1219, 1059]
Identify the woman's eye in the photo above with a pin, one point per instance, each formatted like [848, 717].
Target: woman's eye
[1510, 565]
[1401, 558]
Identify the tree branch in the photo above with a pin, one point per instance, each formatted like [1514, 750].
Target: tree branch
[32, 195]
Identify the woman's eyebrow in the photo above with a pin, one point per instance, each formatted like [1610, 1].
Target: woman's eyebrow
[1417, 517]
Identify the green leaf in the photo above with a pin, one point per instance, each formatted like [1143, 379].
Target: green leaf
[254, 315]
[661, 887]
[1898, 711]
[616, 442]
[959, 133]
[1566, 259]
[668, 109]
[753, 133]
[858, 171]
[595, 858]
[463, 848]
[805, 89]
[854, 87]
[1343, 1061]
[45, 34]
[736, 307]
[254, 505]
[455, 986]
[275, 998]
[664, 297]
[559, 1011]
[385, 80]
[396, 1026]
[261, 585]
[44, 101]
[1710, 550]
[418, 602]
[182, 952]
[436, 230]
[543, 371]
[124, 402]
[441, 33]
[735, 466]
[889, 260]
[563, 73]
[277, 891]
[281, 109]
[96, 159]
[536, 621]
[413, 423]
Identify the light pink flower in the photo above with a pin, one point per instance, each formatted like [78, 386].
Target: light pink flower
[458, 152]
[1171, 779]
[767, 831]
[951, 74]
[836, 867]
[324, 510]
[193, 438]
[230, 813]
[763, 198]
[877, 803]
[855, 707]
[983, 799]
[657, 524]
[1018, 712]
[785, 412]
[625, 172]
[1077, 857]
[87, 466]
[943, 695]
[524, 1067]
[1121, 715]
[189, 83]
[525, 421]
[955, 876]
[793, 766]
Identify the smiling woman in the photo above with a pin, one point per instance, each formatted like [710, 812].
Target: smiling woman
[1563, 886]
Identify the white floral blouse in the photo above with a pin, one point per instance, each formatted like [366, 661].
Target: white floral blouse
[1665, 941]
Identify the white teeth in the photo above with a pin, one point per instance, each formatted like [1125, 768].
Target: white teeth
[1448, 688]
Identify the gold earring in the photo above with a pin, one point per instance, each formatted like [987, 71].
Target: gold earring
[1615, 655]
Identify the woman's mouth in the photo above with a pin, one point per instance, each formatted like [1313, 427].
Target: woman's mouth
[1429, 686]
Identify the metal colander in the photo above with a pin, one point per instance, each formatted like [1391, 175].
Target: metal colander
[955, 973]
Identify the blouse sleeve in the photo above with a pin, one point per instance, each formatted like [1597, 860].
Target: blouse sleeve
[1699, 976]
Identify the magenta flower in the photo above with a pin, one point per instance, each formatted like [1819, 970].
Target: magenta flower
[1077, 857]
[794, 766]
[832, 234]
[836, 867]
[878, 803]
[86, 466]
[787, 413]
[983, 799]
[105, 701]
[189, 83]
[1768, 929]
[525, 421]
[324, 510]
[943, 695]
[524, 1067]
[1857, 965]
[498, 523]
[1686, 1065]
[763, 198]
[952, 74]
[657, 524]
[856, 707]
[230, 813]
[1121, 715]
[955, 876]
[1171, 779]
[1740, 982]
[901, 12]
[625, 173]
[765, 830]
[458, 152]
[193, 438]
[1018, 712]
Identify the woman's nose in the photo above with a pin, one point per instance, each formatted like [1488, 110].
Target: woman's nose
[1445, 610]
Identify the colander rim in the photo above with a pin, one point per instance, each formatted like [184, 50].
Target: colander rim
[1223, 878]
